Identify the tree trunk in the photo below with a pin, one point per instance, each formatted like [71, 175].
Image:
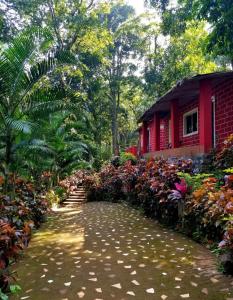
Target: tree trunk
[115, 143]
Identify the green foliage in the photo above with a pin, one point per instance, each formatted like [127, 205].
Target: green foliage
[229, 170]
[219, 14]
[60, 192]
[22, 74]
[125, 156]
[84, 88]
[3, 296]
[15, 288]
[52, 198]
[184, 56]
[194, 182]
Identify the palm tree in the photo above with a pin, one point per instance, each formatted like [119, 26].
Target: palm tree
[24, 67]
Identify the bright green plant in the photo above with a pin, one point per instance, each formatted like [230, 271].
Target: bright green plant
[53, 199]
[229, 170]
[15, 288]
[60, 192]
[194, 182]
[3, 296]
[126, 156]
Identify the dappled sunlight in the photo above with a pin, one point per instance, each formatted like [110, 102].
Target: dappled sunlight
[108, 251]
[62, 237]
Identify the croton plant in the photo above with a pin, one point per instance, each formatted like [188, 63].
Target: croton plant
[19, 214]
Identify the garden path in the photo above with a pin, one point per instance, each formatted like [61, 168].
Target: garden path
[109, 251]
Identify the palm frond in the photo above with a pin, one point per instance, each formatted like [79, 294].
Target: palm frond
[14, 59]
[19, 125]
[34, 145]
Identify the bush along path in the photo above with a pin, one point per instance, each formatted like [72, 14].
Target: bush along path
[108, 251]
[20, 212]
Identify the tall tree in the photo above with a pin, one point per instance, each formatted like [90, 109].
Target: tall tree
[182, 56]
[219, 14]
[125, 34]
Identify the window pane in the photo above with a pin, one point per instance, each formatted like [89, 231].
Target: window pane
[189, 124]
[194, 122]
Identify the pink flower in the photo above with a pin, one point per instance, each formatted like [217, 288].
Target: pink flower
[182, 186]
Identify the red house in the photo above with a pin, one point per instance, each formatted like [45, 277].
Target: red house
[189, 120]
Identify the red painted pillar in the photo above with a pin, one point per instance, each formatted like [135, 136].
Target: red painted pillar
[144, 138]
[205, 115]
[175, 123]
[156, 132]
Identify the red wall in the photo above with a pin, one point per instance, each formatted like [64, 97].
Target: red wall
[140, 141]
[224, 110]
[164, 133]
[152, 135]
[193, 139]
[164, 129]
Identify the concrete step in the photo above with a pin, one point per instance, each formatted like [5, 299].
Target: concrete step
[79, 194]
[83, 197]
[76, 197]
[77, 202]
[73, 201]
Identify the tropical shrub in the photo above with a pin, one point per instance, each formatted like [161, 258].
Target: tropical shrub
[153, 185]
[53, 199]
[224, 158]
[19, 214]
[194, 181]
[127, 156]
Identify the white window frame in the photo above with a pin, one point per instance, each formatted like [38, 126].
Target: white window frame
[191, 112]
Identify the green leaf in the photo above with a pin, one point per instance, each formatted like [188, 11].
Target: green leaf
[15, 288]
[20, 125]
[3, 296]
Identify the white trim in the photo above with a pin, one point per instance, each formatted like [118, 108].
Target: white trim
[191, 112]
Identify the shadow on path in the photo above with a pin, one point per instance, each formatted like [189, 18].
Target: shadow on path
[109, 251]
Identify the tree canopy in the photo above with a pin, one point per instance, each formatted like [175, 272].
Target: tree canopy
[76, 75]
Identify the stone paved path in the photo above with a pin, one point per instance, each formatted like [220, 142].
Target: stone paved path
[109, 251]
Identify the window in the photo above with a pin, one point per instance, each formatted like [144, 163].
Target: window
[190, 122]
